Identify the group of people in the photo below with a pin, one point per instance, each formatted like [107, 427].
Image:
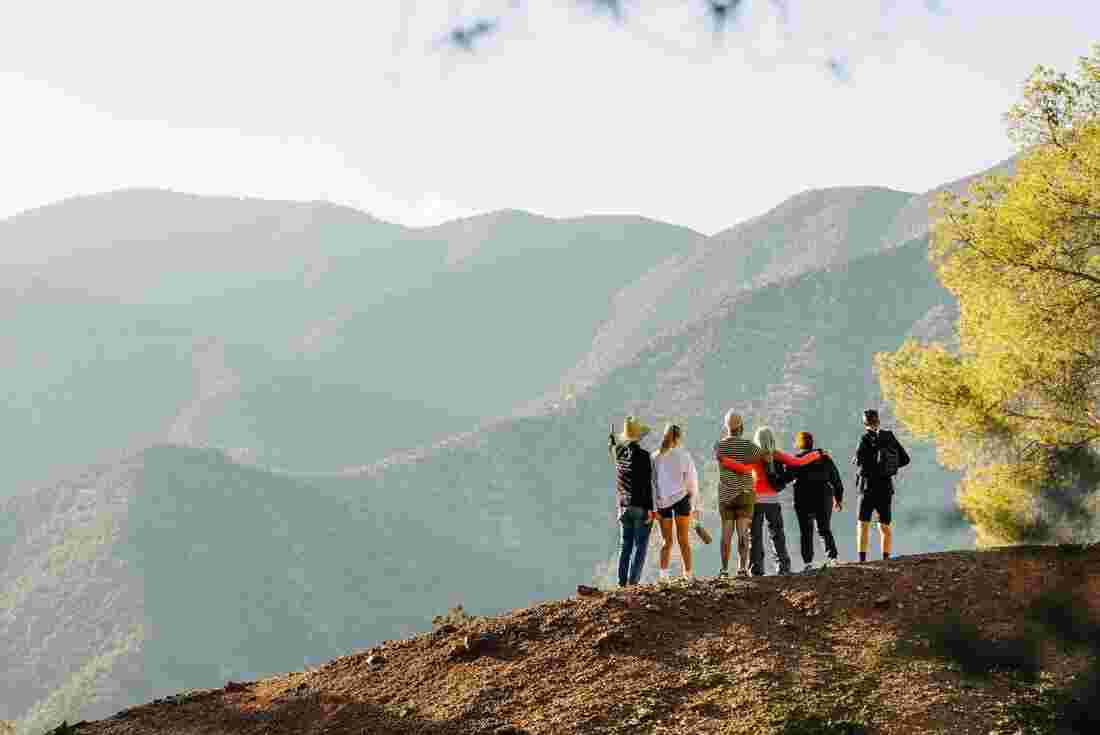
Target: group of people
[663, 486]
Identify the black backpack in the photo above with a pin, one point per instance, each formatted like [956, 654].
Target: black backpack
[889, 454]
[777, 475]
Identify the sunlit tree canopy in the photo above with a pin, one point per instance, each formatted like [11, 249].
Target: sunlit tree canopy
[1015, 402]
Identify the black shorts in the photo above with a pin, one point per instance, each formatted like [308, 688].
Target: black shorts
[881, 503]
[680, 508]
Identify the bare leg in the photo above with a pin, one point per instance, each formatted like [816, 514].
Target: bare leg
[727, 542]
[863, 533]
[683, 537]
[886, 537]
[666, 543]
[744, 534]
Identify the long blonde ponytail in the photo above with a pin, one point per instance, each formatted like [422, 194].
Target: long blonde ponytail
[672, 436]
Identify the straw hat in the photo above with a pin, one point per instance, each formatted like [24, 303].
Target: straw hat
[633, 429]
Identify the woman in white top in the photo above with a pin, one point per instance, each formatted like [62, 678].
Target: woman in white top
[677, 484]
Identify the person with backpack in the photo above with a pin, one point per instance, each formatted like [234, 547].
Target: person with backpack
[635, 495]
[818, 491]
[769, 478]
[677, 487]
[878, 459]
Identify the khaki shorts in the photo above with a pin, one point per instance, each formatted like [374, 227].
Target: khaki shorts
[739, 509]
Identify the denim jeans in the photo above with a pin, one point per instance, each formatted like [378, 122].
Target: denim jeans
[635, 526]
[773, 514]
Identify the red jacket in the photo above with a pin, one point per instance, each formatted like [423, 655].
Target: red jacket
[761, 485]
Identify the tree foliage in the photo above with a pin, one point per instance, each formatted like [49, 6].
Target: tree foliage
[1015, 402]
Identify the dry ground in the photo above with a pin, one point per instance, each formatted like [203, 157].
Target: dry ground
[854, 645]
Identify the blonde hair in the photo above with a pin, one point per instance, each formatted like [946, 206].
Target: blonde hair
[672, 436]
[765, 439]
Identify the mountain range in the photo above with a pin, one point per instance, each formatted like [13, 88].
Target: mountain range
[248, 435]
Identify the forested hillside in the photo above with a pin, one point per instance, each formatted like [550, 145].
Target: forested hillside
[208, 566]
[300, 335]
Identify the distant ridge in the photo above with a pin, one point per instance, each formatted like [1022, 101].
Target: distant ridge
[379, 369]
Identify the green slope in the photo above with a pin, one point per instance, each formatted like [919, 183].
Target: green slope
[303, 335]
[241, 572]
[796, 355]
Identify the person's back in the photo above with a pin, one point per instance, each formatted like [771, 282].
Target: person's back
[736, 497]
[634, 476]
[812, 481]
[876, 482]
[817, 491]
[874, 477]
[635, 491]
[733, 485]
[677, 485]
[670, 469]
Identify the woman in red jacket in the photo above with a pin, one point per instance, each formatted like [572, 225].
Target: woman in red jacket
[767, 506]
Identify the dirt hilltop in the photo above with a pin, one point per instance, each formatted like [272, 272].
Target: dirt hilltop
[936, 643]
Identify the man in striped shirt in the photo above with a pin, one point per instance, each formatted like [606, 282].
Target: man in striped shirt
[736, 496]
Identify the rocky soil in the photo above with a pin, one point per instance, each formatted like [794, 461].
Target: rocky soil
[938, 643]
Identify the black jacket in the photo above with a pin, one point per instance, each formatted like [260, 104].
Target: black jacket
[634, 475]
[816, 481]
[870, 478]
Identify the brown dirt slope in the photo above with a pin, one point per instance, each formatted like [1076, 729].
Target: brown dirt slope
[853, 645]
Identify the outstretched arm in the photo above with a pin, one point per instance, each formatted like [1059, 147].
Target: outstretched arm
[740, 468]
[792, 461]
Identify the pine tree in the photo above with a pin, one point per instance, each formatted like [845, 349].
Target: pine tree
[1015, 403]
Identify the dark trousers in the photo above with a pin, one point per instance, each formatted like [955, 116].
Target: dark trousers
[773, 514]
[635, 526]
[821, 511]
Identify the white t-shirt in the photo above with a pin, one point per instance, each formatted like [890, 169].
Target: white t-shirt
[676, 476]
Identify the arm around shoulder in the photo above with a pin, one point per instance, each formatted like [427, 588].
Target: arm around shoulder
[792, 461]
[742, 468]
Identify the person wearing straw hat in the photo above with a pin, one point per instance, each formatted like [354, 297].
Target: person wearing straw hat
[636, 496]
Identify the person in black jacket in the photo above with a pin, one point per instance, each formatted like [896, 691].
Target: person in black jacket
[878, 458]
[636, 495]
[818, 491]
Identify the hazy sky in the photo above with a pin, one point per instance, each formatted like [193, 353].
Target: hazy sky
[560, 112]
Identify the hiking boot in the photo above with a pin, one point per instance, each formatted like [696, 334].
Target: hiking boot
[828, 562]
[808, 568]
[742, 572]
[724, 574]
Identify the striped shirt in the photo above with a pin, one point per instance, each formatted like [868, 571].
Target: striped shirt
[634, 476]
[731, 484]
